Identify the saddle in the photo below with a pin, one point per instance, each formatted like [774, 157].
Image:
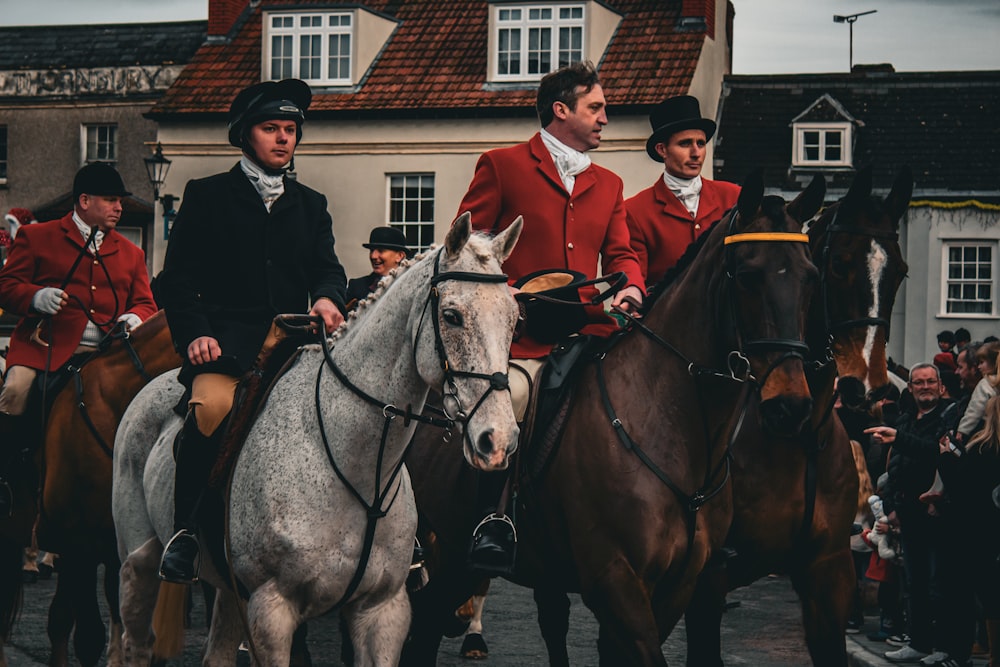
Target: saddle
[548, 405]
[280, 349]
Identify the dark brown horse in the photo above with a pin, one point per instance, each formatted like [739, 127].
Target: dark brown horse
[795, 499]
[635, 497]
[74, 513]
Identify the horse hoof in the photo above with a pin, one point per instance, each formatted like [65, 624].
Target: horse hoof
[44, 571]
[29, 576]
[474, 647]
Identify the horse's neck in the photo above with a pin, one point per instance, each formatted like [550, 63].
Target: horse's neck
[376, 352]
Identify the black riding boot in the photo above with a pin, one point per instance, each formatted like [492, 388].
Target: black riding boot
[194, 453]
[494, 541]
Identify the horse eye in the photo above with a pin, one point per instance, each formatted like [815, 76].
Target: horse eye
[452, 317]
[748, 279]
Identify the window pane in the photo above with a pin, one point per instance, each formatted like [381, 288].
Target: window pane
[411, 207]
[101, 143]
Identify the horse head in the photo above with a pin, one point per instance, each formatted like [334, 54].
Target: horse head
[855, 245]
[464, 354]
[770, 281]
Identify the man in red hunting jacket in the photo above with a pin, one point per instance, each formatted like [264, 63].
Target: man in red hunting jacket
[70, 280]
[666, 217]
[574, 217]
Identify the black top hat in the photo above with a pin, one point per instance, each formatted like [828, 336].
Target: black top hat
[548, 321]
[387, 237]
[673, 115]
[99, 179]
[287, 99]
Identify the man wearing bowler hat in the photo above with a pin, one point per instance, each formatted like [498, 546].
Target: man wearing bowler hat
[666, 217]
[247, 245]
[70, 280]
[386, 249]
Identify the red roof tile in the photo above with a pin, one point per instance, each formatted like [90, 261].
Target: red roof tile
[436, 60]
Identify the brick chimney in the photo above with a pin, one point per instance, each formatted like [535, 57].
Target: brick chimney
[222, 14]
[697, 16]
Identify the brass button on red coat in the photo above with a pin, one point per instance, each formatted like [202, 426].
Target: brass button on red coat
[569, 245]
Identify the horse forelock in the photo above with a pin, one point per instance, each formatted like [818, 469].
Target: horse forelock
[773, 208]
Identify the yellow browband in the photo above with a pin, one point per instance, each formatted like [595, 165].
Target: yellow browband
[767, 236]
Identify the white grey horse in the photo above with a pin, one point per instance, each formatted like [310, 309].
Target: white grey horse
[325, 458]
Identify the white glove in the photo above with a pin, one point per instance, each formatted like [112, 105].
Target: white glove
[131, 320]
[48, 300]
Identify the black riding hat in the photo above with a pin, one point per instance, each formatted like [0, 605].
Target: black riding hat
[673, 115]
[390, 238]
[99, 179]
[546, 321]
[287, 99]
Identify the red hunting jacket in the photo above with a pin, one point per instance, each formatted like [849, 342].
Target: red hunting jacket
[661, 228]
[561, 231]
[42, 256]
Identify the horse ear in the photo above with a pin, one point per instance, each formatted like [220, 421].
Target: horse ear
[860, 190]
[805, 206]
[751, 195]
[459, 234]
[899, 198]
[505, 241]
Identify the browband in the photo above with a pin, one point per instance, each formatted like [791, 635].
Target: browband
[767, 236]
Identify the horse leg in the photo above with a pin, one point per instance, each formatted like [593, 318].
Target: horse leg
[139, 588]
[90, 633]
[225, 632]
[628, 630]
[378, 633]
[553, 621]
[112, 567]
[433, 608]
[473, 645]
[273, 620]
[10, 590]
[703, 622]
[826, 589]
[60, 623]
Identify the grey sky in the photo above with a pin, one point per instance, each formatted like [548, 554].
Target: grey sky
[771, 36]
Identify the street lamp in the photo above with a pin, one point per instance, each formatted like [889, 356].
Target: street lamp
[849, 20]
[157, 166]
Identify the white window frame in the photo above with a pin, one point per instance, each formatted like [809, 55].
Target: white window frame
[526, 20]
[321, 27]
[417, 224]
[109, 142]
[975, 282]
[799, 158]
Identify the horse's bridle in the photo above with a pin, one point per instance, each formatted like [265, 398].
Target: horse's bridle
[793, 349]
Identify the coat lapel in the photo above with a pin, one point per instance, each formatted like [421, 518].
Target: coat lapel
[544, 162]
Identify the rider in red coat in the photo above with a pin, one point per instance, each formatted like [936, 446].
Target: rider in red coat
[666, 217]
[71, 280]
[574, 218]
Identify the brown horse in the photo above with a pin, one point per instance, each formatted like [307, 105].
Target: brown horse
[795, 498]
[74, 511]
[635, 498]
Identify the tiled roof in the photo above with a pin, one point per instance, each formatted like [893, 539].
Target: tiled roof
[81, 46]
[944, 125]
[436, 62]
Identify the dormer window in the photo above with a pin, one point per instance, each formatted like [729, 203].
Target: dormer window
[315, 47]
[534, 39]
[822, 145]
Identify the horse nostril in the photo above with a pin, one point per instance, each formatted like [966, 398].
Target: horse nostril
[785, 415]
[486, 444]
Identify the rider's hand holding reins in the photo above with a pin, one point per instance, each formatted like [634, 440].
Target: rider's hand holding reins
[332, 317]
[203, 350]
[628, 299]
[48, 300]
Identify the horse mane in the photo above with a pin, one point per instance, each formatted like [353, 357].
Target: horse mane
[682, 264]
[379, 290]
